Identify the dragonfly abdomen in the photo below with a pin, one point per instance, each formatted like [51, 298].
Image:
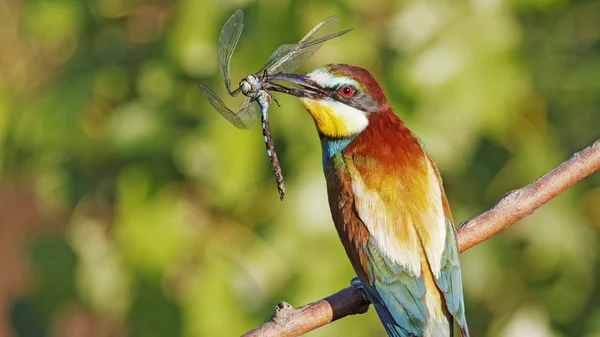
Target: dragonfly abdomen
[264, 100]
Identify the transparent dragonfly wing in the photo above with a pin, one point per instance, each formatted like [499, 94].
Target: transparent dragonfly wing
[289, 57]
[301, 54]
[244, 118]
[230, 35]
[280, 52]
[324, 27]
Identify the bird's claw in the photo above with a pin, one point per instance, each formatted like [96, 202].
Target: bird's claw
[357, 285]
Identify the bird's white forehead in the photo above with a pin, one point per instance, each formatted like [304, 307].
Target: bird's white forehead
[325, 79]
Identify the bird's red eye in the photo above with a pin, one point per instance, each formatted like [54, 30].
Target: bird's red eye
[347, 91]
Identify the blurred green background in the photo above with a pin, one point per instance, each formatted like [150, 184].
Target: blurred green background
[129, 207]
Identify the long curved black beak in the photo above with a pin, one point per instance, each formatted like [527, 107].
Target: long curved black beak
[305, 87]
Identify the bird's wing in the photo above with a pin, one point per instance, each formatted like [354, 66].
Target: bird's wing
[449, 279]
[395, 290]
[397, 295]
[411, 253]
[398, 251]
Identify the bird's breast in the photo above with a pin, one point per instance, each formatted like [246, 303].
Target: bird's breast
[351, 230]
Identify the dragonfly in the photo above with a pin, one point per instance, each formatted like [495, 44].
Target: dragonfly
[285, 59]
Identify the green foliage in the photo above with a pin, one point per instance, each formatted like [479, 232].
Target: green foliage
[155, 217]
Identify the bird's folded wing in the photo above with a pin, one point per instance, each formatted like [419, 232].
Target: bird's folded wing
[449, 280]
[397, 294]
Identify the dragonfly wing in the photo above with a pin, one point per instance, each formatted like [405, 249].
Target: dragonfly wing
[251, 111]
[287, 58]
[230, 35]
[322, 28]
[281, 51]
[242, 119]
[300, 54]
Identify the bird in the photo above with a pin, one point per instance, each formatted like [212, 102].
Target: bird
[387, 202]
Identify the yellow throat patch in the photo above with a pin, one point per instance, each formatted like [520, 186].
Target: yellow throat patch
[334, 119]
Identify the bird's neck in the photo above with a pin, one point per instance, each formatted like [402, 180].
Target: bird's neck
[331, 146]
[389, 142]
[383, 130]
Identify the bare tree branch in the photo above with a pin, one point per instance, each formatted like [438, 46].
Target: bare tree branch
[511, 208]
[287, 321]
[517, 204]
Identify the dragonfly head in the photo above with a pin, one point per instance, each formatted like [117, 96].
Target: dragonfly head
[339, 97]
[250, 86]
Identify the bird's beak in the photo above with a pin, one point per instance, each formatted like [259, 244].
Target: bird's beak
[305, 86]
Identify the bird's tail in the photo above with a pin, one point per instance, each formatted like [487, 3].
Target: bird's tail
[389, 324]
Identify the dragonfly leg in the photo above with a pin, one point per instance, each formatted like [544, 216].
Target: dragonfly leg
[274, 99]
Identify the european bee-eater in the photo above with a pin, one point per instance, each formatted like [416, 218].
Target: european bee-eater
[387, 202]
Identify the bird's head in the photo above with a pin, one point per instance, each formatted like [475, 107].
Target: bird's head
[340, 98]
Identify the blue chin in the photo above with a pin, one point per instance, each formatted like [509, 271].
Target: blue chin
[331, 146]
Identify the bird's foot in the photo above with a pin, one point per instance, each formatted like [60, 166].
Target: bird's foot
[358, 286]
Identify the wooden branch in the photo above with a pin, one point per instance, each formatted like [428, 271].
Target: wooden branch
[511, 208]
[517, 204]
[288, 322]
